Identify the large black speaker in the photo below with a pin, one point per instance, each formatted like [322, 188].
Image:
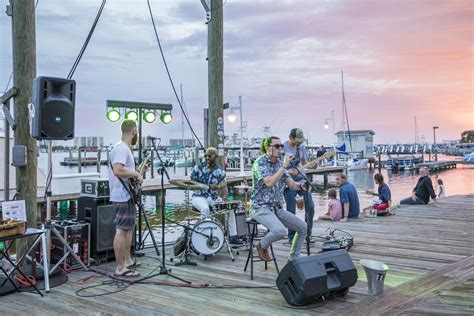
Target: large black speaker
[101, 215]
[54, 100]
[305, 279]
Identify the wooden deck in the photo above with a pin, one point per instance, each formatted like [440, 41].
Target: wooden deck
[429, 250]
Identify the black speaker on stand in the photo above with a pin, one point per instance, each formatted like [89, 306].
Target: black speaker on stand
[54, 101]
[306, 279]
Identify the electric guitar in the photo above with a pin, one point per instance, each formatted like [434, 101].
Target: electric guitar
[134, 186]
[309, 165]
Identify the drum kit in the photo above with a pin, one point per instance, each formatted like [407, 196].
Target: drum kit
[206, 237]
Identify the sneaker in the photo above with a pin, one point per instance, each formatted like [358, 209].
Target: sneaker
[235, 241]
[263, 253]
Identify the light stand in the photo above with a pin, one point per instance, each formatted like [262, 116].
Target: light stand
[48, 224]
[163, 171]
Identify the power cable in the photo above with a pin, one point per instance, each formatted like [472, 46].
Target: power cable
[169, 75]
[89, 36]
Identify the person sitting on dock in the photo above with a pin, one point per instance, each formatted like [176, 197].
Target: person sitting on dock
[384, 194]
[210, 174]
[295, 147]
[423, 191]
[269, 177]
[348, 197]
[442, 190]
[122, 166]
[334, 212]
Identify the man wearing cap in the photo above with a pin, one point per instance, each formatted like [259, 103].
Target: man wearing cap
[296, 147]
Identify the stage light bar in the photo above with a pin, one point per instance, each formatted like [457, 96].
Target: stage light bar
[113, 115]
[166, 117]
[131, 115]
[149, 117]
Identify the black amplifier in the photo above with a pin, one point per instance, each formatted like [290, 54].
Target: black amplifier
[77, 236]
[95, 187]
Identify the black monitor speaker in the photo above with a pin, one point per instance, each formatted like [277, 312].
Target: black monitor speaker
[101, 215]
[306, 279]
[54, 101]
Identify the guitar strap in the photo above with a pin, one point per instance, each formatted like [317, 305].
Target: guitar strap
[123, 183]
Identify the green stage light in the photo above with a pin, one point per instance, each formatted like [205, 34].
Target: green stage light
[131, 115]
[149, 117]
[166, 117]
[113, 115]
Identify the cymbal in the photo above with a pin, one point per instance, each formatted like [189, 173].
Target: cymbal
[189, 184]
[243, 187]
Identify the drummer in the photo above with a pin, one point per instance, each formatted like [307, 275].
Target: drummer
[210, 174]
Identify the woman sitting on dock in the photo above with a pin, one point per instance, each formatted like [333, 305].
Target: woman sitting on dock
[384, 194]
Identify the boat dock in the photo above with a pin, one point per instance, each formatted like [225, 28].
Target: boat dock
[438, 165]
[429, 251]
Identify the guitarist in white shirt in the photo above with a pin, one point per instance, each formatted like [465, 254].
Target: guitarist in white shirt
[121, 158]
[296, 147]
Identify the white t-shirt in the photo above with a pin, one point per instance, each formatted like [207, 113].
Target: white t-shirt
[120, 154]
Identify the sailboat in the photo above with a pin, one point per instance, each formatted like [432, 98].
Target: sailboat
[352, 163]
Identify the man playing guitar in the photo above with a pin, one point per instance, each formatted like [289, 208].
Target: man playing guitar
[296, 147]
[123, 168]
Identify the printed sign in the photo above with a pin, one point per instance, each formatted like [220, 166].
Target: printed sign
[15, 210]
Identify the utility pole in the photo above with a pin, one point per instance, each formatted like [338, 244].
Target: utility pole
[24, 71]
[215, 41]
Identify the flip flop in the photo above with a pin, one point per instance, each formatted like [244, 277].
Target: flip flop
[128, 274]
[134, 265]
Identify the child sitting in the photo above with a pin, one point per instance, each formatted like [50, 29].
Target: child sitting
[442, 190]
[334, 212]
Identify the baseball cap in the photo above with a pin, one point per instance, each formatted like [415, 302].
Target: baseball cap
[298, 135]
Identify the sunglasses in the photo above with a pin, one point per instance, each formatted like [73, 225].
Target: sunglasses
[278, 146]
[208, 156]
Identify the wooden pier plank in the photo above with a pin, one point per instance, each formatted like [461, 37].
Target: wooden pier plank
[428, 249]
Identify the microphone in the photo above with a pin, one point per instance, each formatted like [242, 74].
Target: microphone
[152, 138]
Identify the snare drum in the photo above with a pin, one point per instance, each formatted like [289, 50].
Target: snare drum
[207, 237]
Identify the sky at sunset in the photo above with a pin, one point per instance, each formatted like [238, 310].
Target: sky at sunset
[400, 59]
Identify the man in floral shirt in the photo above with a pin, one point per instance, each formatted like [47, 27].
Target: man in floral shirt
[269, 177]
[210, 174]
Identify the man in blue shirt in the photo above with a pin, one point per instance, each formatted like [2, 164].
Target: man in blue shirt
[348, 197]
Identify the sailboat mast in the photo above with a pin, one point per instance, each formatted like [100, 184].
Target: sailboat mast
[182, 115]
[416, 132]
[345, 117]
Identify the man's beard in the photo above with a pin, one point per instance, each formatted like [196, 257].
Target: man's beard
[134, 140]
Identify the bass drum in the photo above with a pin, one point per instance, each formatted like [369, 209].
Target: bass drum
[207, 238]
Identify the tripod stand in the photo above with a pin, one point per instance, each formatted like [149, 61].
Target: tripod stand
[163, 172]
[187, 228]
[49, 227]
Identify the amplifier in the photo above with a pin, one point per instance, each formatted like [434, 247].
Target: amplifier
[77, 235]
[95, 187]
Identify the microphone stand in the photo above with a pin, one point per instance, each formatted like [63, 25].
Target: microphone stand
[308, 185]
[163, 171]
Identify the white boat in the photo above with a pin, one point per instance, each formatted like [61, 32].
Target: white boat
[356, 164]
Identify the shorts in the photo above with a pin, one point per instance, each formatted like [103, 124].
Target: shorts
[125, 215]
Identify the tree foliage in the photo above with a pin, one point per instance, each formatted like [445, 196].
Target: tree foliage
[467, 136]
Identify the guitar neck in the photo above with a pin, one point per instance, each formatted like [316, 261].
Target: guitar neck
[326, 155]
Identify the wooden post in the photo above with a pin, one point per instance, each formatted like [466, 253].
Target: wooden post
[326, 180]
[380, 163]
[185, 153]
[174, 162]
[152, 163]
[79, 162]
[24, 71]
[98, 161]
[215, 40]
